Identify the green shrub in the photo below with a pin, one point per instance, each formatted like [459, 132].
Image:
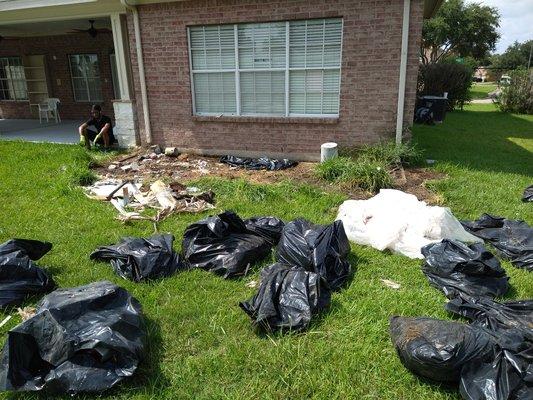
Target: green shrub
[517, 97]
[333, 168]
[362, 173]
[456, 79]
[389, 153]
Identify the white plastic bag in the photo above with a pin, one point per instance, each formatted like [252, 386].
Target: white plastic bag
[397, 221]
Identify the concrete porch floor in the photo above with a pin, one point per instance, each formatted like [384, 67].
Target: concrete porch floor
[30, 130]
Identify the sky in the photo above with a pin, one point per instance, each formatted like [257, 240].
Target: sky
[516, 21]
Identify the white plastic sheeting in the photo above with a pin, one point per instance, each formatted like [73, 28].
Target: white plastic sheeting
[397, 221]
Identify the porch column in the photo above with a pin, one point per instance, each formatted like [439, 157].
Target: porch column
[124, 107]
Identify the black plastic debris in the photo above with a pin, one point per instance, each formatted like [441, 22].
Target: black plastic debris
[258, 163]
[454, 268]
[140, 259]
[512, 238]
[227, 245]
[267, 227]
[287, 299]
[84, 339]
[508, 374]
[322, 249]
[437, 349]
[528, 194]
[19, 276]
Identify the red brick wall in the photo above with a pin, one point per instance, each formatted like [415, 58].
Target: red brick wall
[370, 70]
[57, 49]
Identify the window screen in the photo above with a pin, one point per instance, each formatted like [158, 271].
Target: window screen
[12, 79]
[85, 73]
[276, 68]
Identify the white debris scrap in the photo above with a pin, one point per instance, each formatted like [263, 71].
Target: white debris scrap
[397, 221]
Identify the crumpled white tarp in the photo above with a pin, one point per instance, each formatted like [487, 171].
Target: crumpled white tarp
[399, 222]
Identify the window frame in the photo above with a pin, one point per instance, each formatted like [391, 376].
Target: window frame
[9, 81]
[99, 78]
[287, 69]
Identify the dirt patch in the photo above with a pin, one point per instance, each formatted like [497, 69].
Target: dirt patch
[183, 168]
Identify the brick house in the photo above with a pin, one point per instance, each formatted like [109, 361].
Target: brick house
[244, 77]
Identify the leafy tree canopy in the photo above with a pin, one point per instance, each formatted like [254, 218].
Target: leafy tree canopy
[460, 29]
[516, 56]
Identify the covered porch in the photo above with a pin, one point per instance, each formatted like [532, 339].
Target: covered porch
[32, 130]
[77, 53]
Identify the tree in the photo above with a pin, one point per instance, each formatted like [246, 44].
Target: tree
[460, 29]
[517, 55]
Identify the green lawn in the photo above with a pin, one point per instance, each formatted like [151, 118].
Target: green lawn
[201, 344]
[481, 90]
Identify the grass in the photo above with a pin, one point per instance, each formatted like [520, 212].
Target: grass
[482, 90]
[368, 167]
[201, 344]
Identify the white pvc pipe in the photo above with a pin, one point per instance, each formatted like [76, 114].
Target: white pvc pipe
[403, 71]
[140, 64]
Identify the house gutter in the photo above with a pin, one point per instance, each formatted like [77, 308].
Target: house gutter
[403, 71]
[140, 64]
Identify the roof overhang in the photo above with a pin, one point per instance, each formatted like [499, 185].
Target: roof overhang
[431, 7]
[18, 11]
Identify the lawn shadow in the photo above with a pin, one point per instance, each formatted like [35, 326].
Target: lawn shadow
[480, 140]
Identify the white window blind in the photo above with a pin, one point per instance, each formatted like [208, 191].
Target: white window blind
[12, 79]
[85, 73]
[276, 68]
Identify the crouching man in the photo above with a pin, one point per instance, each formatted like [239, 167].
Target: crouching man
[98, 129]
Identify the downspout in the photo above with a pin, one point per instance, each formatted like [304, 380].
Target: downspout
[403, 71]
[140, 63]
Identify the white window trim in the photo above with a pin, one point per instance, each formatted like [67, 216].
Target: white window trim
[72, 77]
[286, 69]
[9, 81]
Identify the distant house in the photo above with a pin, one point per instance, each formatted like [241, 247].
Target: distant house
[219, 76]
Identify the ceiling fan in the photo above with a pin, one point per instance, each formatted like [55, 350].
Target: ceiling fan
[92, 31]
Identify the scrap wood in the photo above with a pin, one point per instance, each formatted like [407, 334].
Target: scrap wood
[391, 284]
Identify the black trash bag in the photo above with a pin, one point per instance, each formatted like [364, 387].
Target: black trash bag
[528, 194]
[454, 268]
[141, 259]
[424, 115]
[267, 227]
[287, 299]
[512, 238]
[509, 373]
[322, 249]
[258, 163]
[223, 244]
[438, 349]
[83, 339]
[19, 276]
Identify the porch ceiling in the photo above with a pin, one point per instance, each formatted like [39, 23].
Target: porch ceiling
[48, 28]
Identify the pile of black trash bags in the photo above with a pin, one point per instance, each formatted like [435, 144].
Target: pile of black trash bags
[270, 164]
[20, 278]
[492, 357]
[512, 238]
[84, 339]
[311, 262]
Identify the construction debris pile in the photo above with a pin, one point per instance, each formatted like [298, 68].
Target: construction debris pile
[131, 198]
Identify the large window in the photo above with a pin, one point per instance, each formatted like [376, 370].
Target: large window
[276, 69]
[85, 74]
[12, 79]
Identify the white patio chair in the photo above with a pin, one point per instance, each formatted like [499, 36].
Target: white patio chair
[49, 108]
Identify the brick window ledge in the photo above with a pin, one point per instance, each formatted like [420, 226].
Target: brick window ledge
[274, 120]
